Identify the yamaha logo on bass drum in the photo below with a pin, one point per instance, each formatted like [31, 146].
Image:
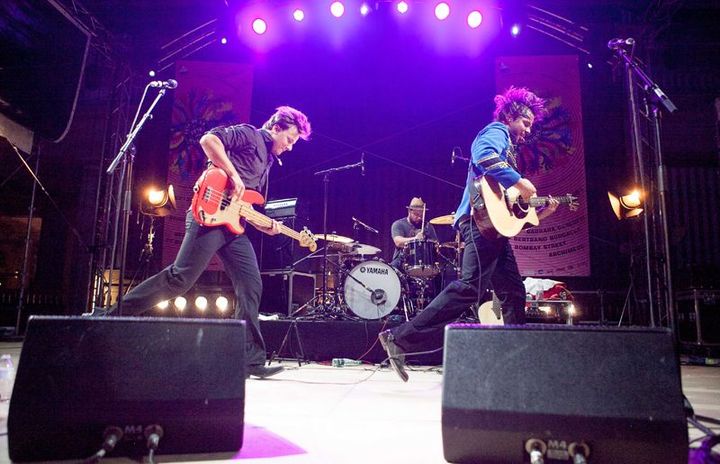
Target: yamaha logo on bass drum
[374, 270]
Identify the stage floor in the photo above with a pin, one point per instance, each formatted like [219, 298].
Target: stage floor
[316, 413]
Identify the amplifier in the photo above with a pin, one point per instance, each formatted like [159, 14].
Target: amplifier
[281, 208]
[698, 316]
[284, 291]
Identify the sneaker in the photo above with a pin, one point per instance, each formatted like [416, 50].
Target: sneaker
[99, 312]
[396, 355]
[263, 372]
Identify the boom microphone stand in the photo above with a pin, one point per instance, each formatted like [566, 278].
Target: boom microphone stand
[654, 98]
[126, 155]
[326, 184]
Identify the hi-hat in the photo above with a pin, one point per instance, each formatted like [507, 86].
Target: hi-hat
[446, 220]
[334, 238]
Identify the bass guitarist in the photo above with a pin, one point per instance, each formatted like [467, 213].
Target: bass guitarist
[246, 155]
[488, 262]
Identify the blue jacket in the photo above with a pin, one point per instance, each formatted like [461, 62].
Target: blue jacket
[489, 157]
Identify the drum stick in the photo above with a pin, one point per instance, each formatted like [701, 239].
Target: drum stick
[422, 225]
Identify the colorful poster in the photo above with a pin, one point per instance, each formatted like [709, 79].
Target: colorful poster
[210, 94]
[554, 160]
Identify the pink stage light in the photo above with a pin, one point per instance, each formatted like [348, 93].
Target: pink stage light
[442, 11]
[337, 9]
[298, 15]
[474, 19]
[259, 26]
[402, 7]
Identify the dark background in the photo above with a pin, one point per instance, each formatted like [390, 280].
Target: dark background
[403, 94]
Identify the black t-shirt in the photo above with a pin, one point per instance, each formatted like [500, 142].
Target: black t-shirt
[403, 228]
[248, 150]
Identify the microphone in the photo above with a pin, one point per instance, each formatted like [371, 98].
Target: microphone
[617, 43]
[362, 165]
[168, 84]
[456, 153]
[358, 221]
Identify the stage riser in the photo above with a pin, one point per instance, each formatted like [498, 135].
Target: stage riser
[324, 340]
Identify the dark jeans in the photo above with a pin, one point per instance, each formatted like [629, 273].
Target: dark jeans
[197, 248]
[486, 264]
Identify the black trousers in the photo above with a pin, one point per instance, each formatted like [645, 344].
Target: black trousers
[198, 247]
[486, 264]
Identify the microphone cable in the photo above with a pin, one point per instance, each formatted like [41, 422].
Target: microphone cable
[111, 436]
[153, 434]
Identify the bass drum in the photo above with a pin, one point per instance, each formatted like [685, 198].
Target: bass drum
[372, 289]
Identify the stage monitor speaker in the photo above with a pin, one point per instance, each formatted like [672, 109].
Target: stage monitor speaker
[613, 394]
[79, 376]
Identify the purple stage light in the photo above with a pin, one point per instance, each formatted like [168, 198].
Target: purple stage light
[402, 7]
[515, 30]
[442, 11]
[474, 19]
[298, 15]
[337, 9]
[364, 9]
[223, 41]
[259, 26]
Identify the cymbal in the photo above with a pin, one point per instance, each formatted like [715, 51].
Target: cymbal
[446, 220]
[334, 238]
[363, 249]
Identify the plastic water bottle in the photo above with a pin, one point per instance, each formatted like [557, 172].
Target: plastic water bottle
[340, 362]
[7, 377]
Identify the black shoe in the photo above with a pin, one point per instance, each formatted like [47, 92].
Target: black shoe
[263, 372]
[99, 312]
[396, 355]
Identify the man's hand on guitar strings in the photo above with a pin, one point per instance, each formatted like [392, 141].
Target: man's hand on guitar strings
[274, 229]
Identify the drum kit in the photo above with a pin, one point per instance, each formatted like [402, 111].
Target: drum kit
[360, 283]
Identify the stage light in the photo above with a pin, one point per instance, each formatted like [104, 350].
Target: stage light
[222, 303]
[151, 73]
[442, 11]
[402, 7]
[571, 310]
[201, 303]
[163, 305]
[223, 41]
[626, 206]
[515, 30]
[180, 303]
[364, 9]
[259, 26]
[298, 15]
[158, 202]
[474, 19]
[337, 9]
[589, 65]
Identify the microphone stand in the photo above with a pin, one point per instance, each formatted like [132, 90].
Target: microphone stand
[654, 98]
[125, 186]
[326, 173]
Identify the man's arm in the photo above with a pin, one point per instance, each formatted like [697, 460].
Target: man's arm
[215, 152]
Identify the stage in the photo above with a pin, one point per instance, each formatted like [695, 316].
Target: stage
[315, 413]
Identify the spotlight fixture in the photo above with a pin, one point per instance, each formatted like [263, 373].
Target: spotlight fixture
[163, 305]
[158, 202]
[626, 206]
[223, 41]
[364, 9]
[402, 7]
[222, 303]
[180, 303]
[201, 303]
[337, 9]
[259, 26]
[474, 19]
[298, 15]
[515, 30]
[442, 11]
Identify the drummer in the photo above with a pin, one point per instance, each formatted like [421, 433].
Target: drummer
[410, 228]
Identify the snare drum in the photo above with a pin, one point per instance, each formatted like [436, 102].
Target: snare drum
[421, 259]
[372, 289]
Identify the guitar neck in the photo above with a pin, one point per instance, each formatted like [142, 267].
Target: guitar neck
[261, 220]
[543, 201]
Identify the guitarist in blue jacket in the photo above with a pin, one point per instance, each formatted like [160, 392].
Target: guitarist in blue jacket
[245, 154]
[488, 262]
